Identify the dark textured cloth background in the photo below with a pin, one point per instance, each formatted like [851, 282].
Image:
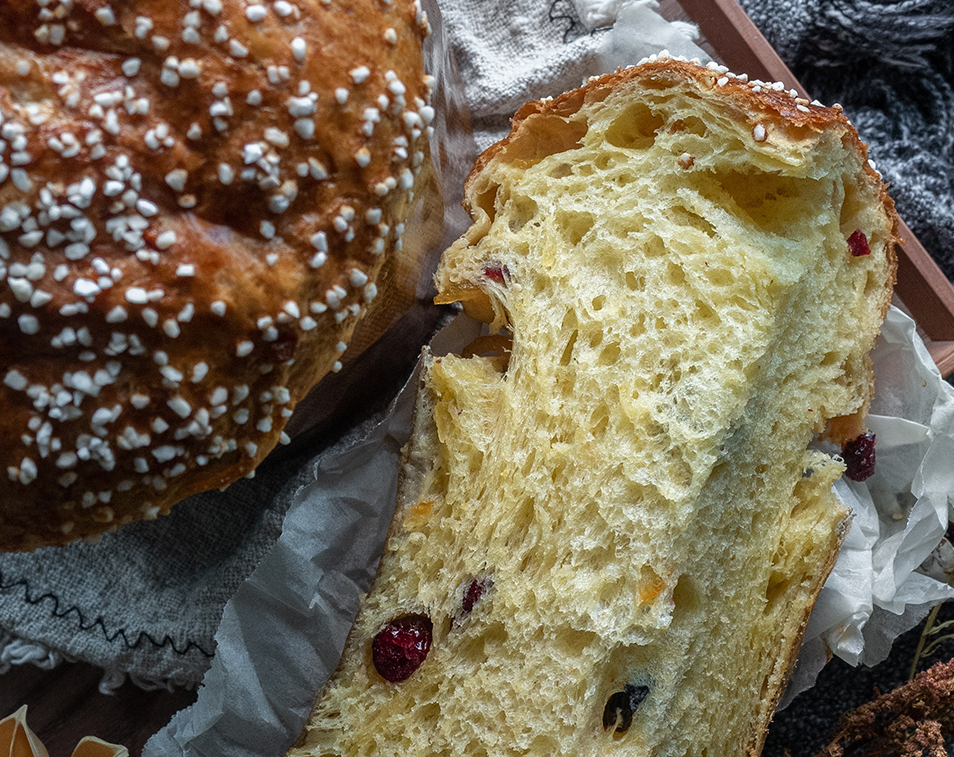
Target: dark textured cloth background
[807, 725]
[891, 65]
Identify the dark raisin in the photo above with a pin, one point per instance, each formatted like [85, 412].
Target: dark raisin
[472, 594]
[621, 706]
[497, 272]
[859, 456]
[401, 646]
[858, 244]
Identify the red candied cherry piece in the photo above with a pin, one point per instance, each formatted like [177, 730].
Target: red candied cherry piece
[859, 456]
[858, 244]
[401, 647]
[472, 594]
[496, 272]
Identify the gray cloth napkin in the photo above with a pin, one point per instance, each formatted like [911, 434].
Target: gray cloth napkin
[146, 600]
[513, 51]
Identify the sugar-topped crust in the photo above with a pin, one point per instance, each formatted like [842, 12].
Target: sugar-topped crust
[195, 201]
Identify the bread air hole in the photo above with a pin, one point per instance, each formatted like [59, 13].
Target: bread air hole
[778, 585]
[690, 124]
[595, 336]
[635, 128]
[706, 314]
[495, 347]
[851, 208]
[781, 205]
[567, 355]
[685, 599]
[544, 744]
[574, 225]
[487, 202]
[521, 210]
[609, 355]
[624, 178]
[635, 282]
[638, 326]
[599, 420]
[719, 277]
[683, 217]
[543, 136]
[675, 275]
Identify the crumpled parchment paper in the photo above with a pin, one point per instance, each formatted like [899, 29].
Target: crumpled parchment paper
[881, 585]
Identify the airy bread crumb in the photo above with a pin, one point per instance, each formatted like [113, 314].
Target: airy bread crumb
[618, 525]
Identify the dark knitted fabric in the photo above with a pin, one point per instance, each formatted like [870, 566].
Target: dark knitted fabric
[891, 65]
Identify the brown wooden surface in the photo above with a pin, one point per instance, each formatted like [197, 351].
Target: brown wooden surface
[65, 705]
[924, 289]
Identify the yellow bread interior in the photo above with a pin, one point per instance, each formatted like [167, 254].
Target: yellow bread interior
[634, 482]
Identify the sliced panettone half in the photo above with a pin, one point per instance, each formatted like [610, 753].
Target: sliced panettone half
[610, 536]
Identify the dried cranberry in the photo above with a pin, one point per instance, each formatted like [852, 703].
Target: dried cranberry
[472, 594]
[401, 647]
[858, 244]
[621, 706]
[497, 272]
[859, 456]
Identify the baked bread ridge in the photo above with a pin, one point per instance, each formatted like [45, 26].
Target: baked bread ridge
[196, 200]
[618, 527]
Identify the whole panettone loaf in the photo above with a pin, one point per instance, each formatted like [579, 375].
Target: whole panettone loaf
[196, 199]
[611, 534]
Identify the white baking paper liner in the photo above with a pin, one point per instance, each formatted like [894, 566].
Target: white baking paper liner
[282, 632]
[878, 588]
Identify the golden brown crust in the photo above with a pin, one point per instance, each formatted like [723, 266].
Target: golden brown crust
[196, 199]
